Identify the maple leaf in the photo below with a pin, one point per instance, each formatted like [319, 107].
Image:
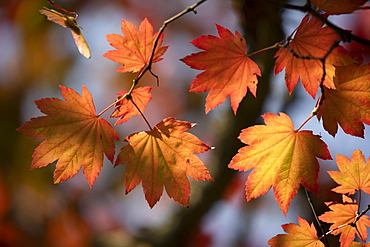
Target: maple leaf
[353, 175]
[134, 49]
[162, 157]
[126, 109]
[349, 104]
[75, 136]
[301, 235]
[228, 70]
[281, 157]
[337, 7]
[342, 215]
[311, 40]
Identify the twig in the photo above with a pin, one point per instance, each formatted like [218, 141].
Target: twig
[316, 218]
[323, 61]
[74, 14]
[353, 224]
[148, 67]
[361, 214]
[345, 35]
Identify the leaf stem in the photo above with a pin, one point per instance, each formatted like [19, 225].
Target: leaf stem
[113, 104]
[141, 113]
[276, 45]
[314, 111]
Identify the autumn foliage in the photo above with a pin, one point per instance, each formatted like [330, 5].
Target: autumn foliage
[279, 155]
[289, 159]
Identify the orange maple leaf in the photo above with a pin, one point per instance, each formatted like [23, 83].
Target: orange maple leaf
[281, 157]
[161, 158]
[75, 136]
[228, 70]
[302, 234]
[126, 109]
[349, 104]
[311, 40]
[342, 215]
[134, 49]
[337, 7]
[353, 175]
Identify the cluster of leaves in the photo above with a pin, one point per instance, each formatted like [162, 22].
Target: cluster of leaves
[344, 216]
[281, 157]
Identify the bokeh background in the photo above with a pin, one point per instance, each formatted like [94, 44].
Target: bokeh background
[36, 56]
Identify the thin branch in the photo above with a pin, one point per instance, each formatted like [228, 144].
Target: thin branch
[148, 67]
[353, 224]
[359, 201]
[361, 214]
[323, 61]
[328, 232]
[345, 35]
[316, 218]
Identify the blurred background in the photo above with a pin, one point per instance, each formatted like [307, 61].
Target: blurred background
[36, 56]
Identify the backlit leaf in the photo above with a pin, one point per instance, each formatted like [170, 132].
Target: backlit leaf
[349, 104]
[228, 71]
[280, 157]
[352, 175]
[301, 235]
[311, 40]
[164, 157]
[133, 50]
[343, 214]
[126, 109]
[75, 137]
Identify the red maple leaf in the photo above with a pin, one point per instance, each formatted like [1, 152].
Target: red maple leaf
[281, 157]
[337, 7]
[352, 175]
[342, 215]
[75, 136]
[133, 50]
[349, 104]
[126, 108]
[302, 234]
[163, 157]
[228, 71]
[311, 40]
